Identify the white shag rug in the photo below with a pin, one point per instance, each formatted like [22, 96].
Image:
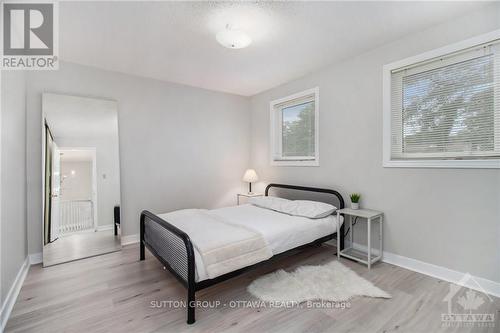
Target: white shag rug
[330, 282]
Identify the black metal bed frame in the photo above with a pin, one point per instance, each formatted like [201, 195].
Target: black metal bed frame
[177, 254]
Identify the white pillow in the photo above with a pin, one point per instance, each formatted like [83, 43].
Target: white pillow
[273, 203]
[304, 208]
[309, 209]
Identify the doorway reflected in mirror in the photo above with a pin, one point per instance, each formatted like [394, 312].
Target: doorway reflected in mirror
[81, 172]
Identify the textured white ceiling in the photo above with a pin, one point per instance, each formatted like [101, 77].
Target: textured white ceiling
[175, 41]
[80, 117]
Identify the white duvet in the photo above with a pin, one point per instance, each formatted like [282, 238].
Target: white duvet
[220, 245]
[279, 231]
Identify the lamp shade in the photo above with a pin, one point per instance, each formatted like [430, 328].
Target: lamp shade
[250, 176]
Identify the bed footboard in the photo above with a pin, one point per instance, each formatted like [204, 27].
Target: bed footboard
[174, 249]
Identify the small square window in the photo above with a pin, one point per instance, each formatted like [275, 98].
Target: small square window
[294, 130]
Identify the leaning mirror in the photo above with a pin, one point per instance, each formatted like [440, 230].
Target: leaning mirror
[81, 178]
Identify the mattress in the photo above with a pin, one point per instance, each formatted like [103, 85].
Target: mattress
[282, 232]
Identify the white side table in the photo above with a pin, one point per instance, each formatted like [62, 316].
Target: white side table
[247, 195]
[367, 215]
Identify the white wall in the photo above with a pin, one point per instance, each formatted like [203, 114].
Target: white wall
[179, 146]
[448, 217]
[77, 185]
[13, 178]
[108, 172]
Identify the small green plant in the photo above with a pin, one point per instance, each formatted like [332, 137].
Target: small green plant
[355, 197]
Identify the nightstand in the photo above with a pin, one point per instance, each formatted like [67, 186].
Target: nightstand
[368, 215]
[247, 195]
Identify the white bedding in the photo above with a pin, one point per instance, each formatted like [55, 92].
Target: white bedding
[218, 253]
[282, 232]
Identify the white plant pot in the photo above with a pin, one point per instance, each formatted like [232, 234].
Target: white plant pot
[355, 205]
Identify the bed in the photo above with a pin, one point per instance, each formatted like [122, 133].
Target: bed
[179, 247]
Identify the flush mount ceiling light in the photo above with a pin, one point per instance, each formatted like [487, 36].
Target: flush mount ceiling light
[233, 38]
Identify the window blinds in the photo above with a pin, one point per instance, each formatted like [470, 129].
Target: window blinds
[448, 108]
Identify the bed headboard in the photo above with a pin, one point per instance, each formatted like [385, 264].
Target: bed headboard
[338, 196]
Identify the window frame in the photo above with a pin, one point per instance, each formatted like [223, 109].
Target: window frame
[276, 135]
[388, 162]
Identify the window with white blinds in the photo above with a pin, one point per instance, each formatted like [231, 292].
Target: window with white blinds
[294, 129]
[447, 108]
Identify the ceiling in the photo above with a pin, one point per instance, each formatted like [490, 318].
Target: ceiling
[80, 117]
[76, 155]
[175, 41]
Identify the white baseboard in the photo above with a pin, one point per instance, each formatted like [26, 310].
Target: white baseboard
[130, 239]
[438, 272]
[105, 227]
[35, 258]
[14, 290]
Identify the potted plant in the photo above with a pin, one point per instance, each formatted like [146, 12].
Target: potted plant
[355, 200]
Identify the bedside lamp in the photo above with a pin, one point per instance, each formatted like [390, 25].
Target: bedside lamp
[250, 177]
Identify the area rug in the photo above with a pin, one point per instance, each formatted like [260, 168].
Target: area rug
[330, 282]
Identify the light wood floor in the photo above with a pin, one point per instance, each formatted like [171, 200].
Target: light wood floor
[81, 245]
[113, 293]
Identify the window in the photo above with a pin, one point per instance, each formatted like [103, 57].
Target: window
[294, 129]
[444, 109]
